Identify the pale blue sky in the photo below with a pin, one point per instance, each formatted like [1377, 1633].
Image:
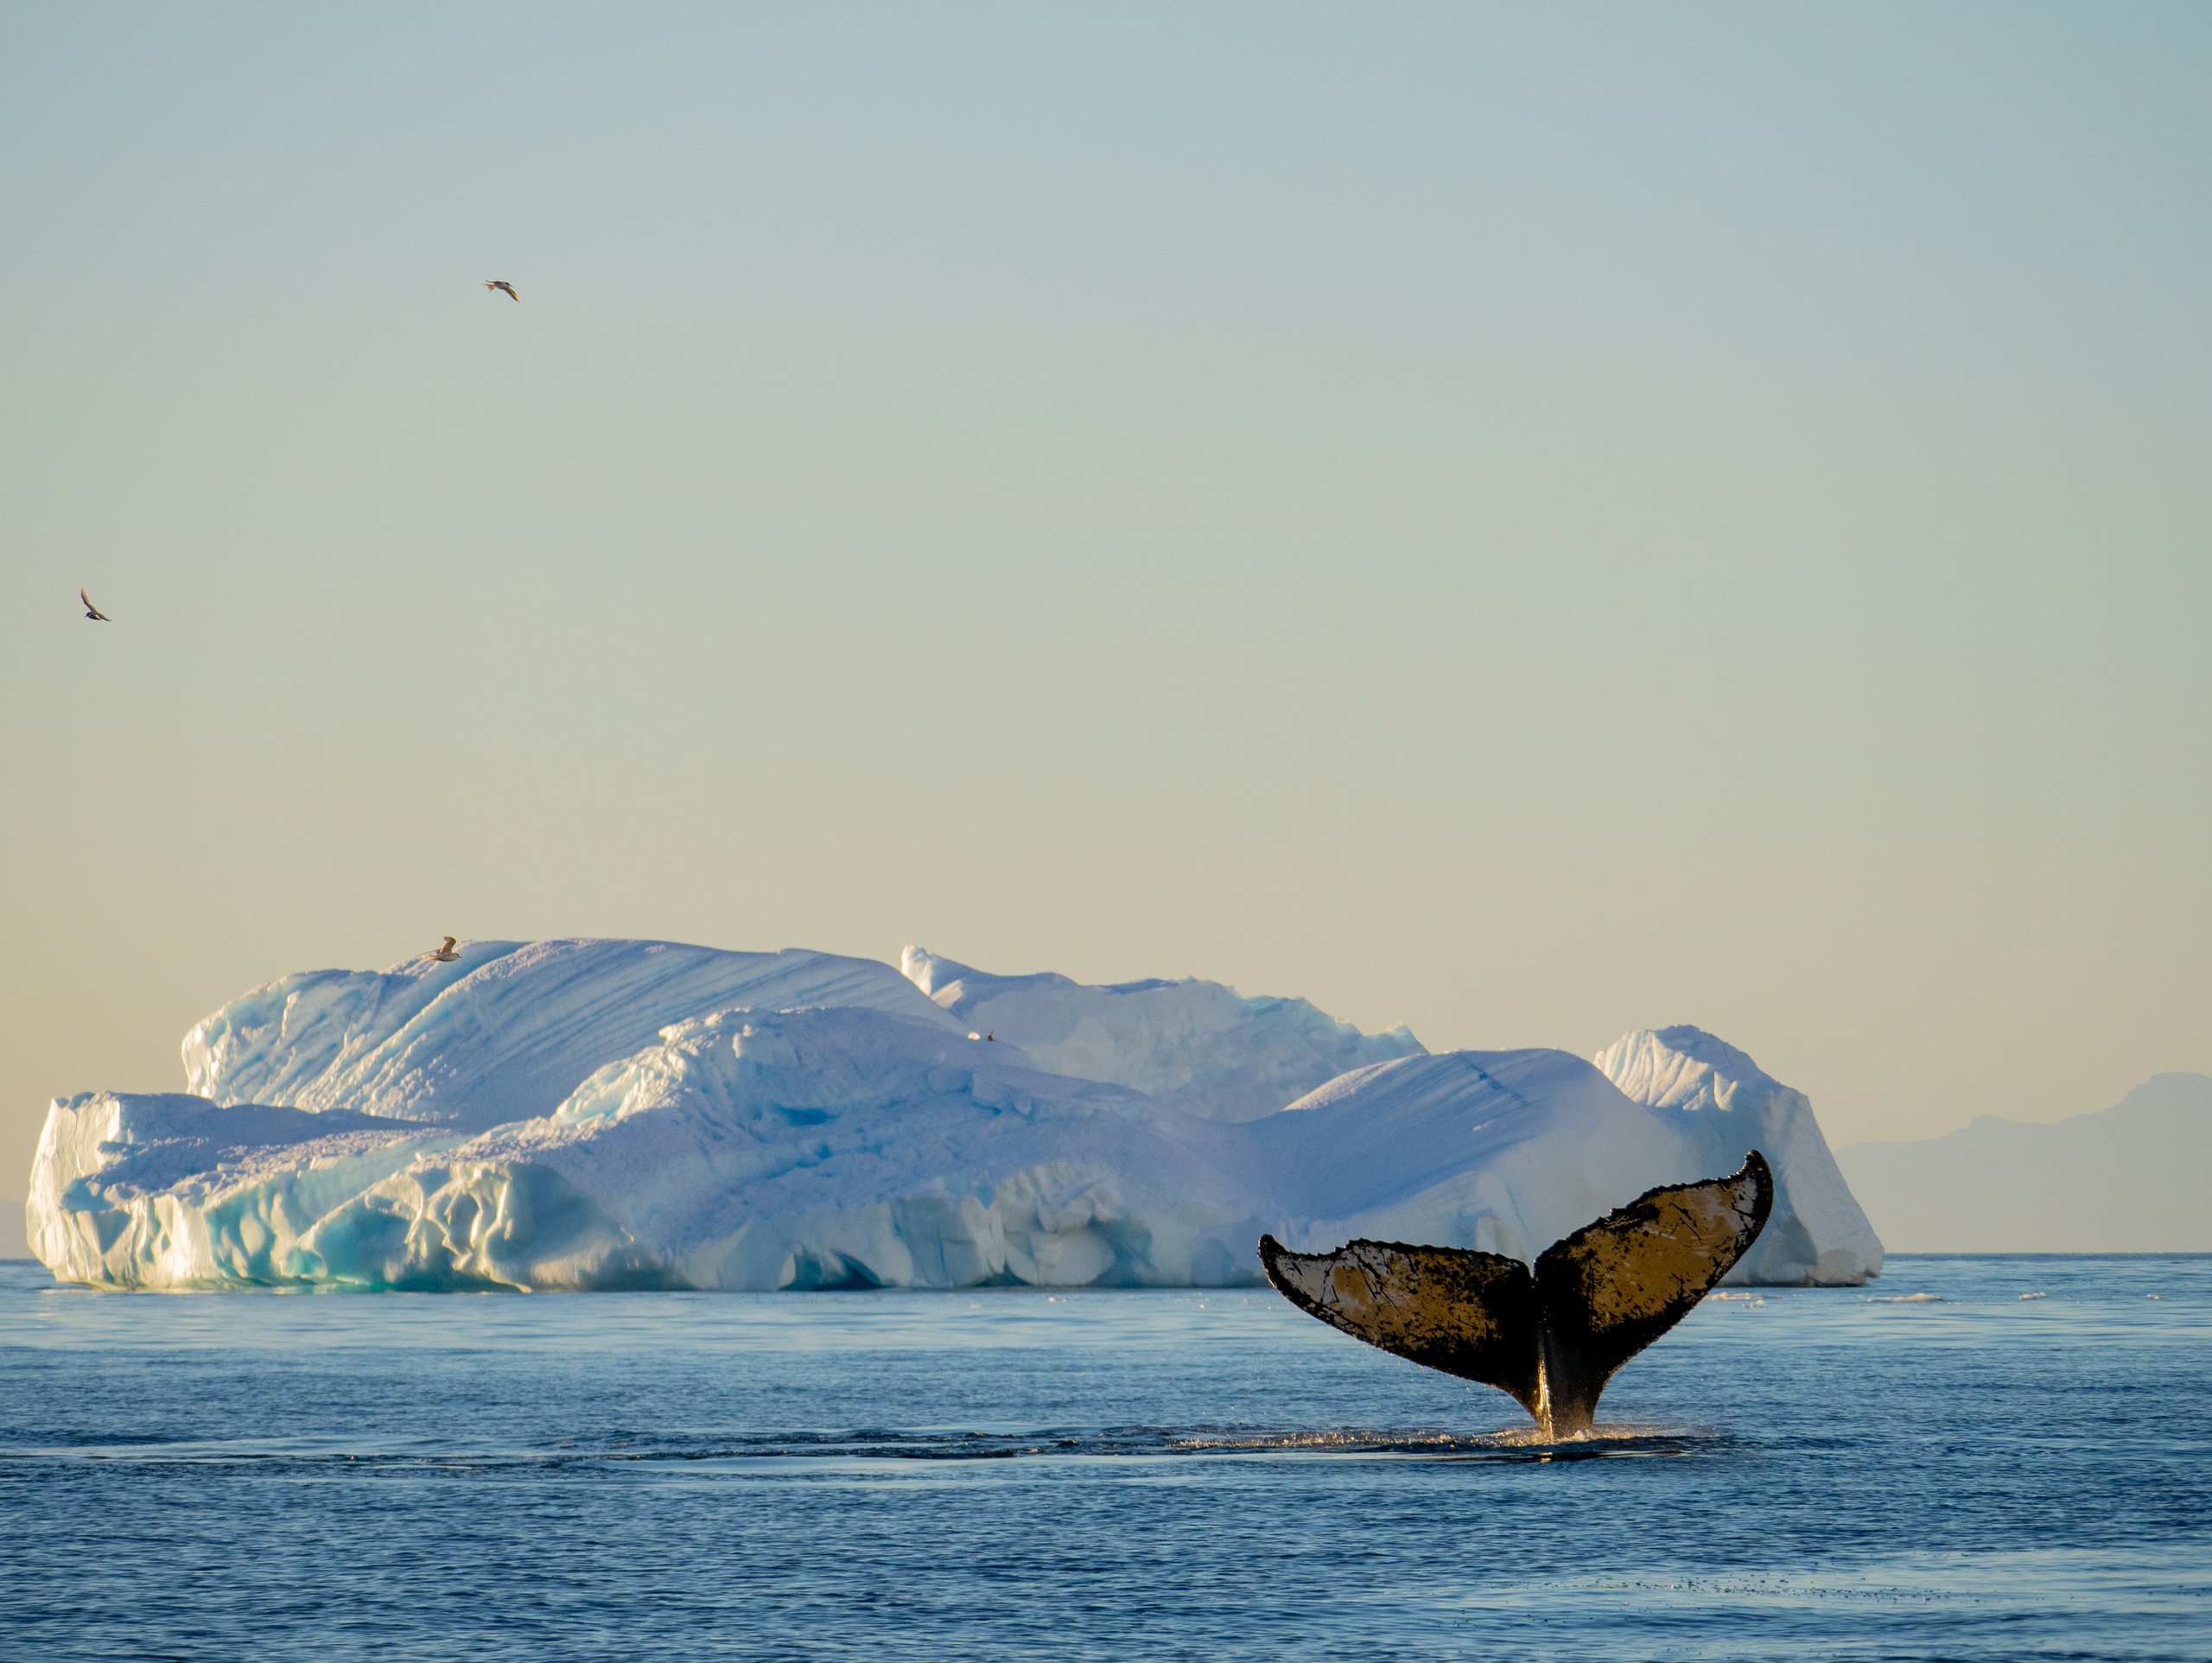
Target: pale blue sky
[1531, 523]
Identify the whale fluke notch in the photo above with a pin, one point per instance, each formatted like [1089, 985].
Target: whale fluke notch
[1551, 1338]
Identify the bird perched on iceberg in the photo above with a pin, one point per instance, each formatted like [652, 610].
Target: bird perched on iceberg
[445, 955]
[93, 611]
[504, 288]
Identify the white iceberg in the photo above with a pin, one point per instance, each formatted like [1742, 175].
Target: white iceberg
[814, 1121]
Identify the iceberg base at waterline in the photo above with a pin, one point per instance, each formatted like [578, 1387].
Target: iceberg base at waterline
[819, 1122]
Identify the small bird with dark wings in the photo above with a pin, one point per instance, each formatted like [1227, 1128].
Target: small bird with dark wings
[504, 288]
[93, 611]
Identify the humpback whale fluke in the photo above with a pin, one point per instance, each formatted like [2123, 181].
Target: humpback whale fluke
[1554, 1338]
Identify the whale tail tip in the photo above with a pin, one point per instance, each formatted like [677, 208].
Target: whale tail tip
[1552, 1337]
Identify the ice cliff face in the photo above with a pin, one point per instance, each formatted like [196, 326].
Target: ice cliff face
[813, 1121]
[1727, 1104]
[1197, 1044]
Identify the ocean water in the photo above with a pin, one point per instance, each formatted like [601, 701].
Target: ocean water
[1999, 1458]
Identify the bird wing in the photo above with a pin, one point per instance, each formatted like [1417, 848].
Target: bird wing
[448, 948]
[1614, 1286]
[1470, 1314]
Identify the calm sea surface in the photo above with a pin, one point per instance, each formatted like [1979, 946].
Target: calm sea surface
[1972, 1458]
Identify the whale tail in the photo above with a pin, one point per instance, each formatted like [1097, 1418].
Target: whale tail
[1550, 1338]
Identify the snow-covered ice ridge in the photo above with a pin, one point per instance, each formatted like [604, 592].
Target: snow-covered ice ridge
[613, 1114]
[1196, 1044]
[1728, 1103]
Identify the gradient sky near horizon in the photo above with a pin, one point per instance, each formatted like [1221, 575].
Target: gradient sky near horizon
[1533, 522]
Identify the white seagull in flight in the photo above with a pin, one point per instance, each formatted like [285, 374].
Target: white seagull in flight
[504, 288]
[93, 611]
[445, 955]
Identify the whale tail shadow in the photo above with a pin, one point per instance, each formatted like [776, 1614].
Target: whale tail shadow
[1550, 1338]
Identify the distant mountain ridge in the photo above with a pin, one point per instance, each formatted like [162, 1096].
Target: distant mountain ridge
[2135, 1177]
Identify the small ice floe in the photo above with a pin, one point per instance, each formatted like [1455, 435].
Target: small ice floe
[1745, 1298]
[2035, 1296]
[1905, 1300]
[2150, 1295]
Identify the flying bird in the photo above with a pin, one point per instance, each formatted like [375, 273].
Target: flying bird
[93, 611]
[504, 288]
[445, 955]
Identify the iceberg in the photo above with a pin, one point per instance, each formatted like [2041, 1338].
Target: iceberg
[804, 1120]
